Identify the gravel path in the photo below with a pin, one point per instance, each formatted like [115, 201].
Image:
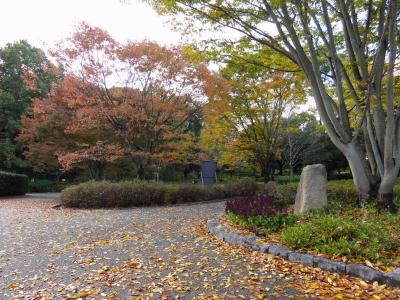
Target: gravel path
[139, 253]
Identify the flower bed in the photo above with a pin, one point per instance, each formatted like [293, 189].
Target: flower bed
[342, 230]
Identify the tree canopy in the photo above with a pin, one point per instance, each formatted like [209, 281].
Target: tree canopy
[135, 99]
[348, 51]
[249, 124]
[21, 67]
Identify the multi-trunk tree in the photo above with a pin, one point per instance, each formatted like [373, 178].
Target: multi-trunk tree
[136, 98]
[349, 53]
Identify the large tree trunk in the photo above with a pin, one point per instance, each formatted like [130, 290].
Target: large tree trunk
[96, 170]
[141, 172]
[386, 195]
[266, 170]
[368, 186]
[362, 177]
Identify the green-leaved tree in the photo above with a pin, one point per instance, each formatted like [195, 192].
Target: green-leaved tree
[349, 52]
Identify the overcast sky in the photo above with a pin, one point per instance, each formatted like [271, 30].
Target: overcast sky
[43, 22]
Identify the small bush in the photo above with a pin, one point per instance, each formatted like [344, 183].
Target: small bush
[139, 193]
[340, 236]
[287, 192]
[13, 184]
[253, 206]
[287, 179]
[260, 213]
[339, 192]
[47, 186]
[242, 187]
[342, 192]
[263, 224]
[40, 186]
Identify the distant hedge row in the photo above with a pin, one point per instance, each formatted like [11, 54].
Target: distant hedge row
[13, 184]
[125, 194]
[338, 192]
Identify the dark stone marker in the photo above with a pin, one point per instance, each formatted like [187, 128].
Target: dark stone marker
[208, 172]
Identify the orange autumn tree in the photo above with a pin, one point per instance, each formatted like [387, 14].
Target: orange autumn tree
[53, 138]
[137, 96]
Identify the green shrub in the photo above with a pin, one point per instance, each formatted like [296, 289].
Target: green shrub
[287, 191]
[13, 184]
[287, 179]
[140, 193]
[47, 186]
[40, 186]
[340, 236]
[342, 192]
[339, 192]
[242, 187]
[263, 224]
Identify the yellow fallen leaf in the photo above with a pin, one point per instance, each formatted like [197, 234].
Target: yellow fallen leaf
[104, 242]
[389, 269]
[339, 296]
[376, 297]
[82, 294]
[363, 283]
[368, 263]
[133, 265]
[313, 286]
[13, 285]
[260, 296]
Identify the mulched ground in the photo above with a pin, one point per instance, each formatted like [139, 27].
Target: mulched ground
[146, 253]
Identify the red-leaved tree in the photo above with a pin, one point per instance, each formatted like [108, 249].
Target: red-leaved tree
[133, 99]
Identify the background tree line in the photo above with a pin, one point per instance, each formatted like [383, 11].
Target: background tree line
[100, 109]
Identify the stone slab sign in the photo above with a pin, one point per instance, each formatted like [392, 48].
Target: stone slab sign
[311, 192]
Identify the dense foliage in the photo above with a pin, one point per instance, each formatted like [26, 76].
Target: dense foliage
[345, 236]
[259, 212]
[254, 206]
[132, 100]
[247, 127]
[13, 184]
[347, 50]
[263, 224]
[125, 194]
[22, 66]
[287, 178]
[46, 186]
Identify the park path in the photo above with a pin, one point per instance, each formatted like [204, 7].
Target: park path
[138, 253]
[146, 253]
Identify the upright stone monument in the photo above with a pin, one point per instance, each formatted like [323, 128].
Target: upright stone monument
[311, 192]
[208, 172]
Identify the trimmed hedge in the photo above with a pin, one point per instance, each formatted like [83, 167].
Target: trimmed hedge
[137, 193]
[47, 186]
[287, 178]
[13, 184]
[339, 191]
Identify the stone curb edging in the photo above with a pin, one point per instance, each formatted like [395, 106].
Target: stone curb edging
[357, 270]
